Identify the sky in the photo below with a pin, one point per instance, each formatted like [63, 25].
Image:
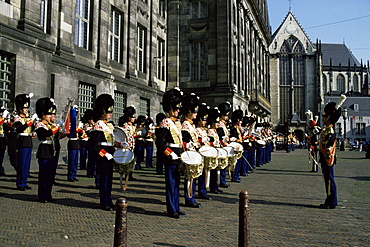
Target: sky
[331, 21]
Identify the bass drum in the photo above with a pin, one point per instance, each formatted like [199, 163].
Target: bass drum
[193, 164]
[124, 161]
[119, 135]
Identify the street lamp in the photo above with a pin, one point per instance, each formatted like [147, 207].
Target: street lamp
[344, 143]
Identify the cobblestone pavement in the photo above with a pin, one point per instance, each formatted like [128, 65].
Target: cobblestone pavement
[284, 196]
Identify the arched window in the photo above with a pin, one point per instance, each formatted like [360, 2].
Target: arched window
[355, 83]
[340, 83]
[324, 84]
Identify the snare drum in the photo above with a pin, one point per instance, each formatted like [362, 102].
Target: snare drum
[208, 151]
[193, 164]
[124, 161]
[119, 135]
[222, 158]
[238, 149]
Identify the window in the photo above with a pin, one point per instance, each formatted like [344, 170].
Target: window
[340, 83]
[115, 36]
[356, 107]
[324, 84]
[162, 8]
[82, 23]
[86, 96]
[360, 129]
[45, 15]
[198, 9]
[198, 61]
[144, 108]
[161, 52]
[119, 105]
[141, 44]
[355, 83]
[6, 70]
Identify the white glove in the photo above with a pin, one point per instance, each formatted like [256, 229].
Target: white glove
[124, 144]
[174, 156]
[80, 125]
[205, 139]
[232, 139]
[108, 156]
[139, 133]
[189, 145]
[5, 113]
[216, 143]
[34, 117]
[225, 138]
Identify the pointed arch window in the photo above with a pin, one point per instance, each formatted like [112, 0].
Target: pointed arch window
[340, 83]
[324, 84]
[355, 83]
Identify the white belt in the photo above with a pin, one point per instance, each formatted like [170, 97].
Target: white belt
[140, 139]
[85, 139]
[25, 134]
[73, 139]
[46, 142]
[173, 145]
[106, 144]
[149, 140]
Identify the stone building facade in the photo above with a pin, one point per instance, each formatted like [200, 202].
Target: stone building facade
[219, 50]
[82, 48]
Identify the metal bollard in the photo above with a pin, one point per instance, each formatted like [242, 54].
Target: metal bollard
[120, 230]
[244, 227]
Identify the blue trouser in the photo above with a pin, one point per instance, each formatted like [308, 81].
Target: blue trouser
[83, 157]
[55, 164]
[236, 173]
[194, 186]
[223, 176]
[213, 183]
[172, 180]
[24, 163]
[91, 162]
[252, 157]
[139, 154]
[330, 186]
[202, 190]
[160, 161]
[105, 173]
[72, 163]
[259, 158]
[46, 178]
[244, 168]
[149, 157]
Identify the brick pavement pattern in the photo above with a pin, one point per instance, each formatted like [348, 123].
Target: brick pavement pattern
[284, 196]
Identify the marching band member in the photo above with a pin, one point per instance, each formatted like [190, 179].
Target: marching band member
[126, 123]
[73, 145]
[46, 130]
[223, 133]
[260, 146]
[189, 109]
[236, 136]
[88, 123]
[102, 140]
[313, 139]
[24, 127]
[169, 139]
[140, 133]
[56, 139]
[11, 136]
[201, 128]
[212, 122]
[3, 140]
[149, 139]
[327, 146]
[160, 156]
[82, 138]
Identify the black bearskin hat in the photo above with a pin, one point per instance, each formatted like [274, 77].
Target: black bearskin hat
[140, 120]
[225, 108]
[88, 115]
[148, 121]
[45, 106]
[104, 104]
[203, 112]
[172, 100]
[22, 101]
[332, 110]
[213, 116]
[128, 112]
[237, 116]
[190, 104]
[159, 118]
